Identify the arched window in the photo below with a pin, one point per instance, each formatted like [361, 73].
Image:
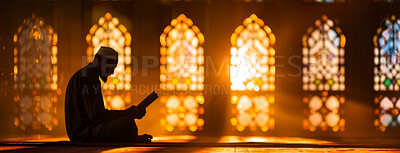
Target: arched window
[36, 75]
[387, 76]
[323, 75]
[109, 32]
[252, 69]
[387, 56]
[182, 75]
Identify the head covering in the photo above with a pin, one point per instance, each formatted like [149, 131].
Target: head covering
[108, 52]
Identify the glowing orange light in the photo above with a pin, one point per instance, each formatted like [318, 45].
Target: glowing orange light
[109, 32]
[182, 69]
[42, 114]
[245, 55]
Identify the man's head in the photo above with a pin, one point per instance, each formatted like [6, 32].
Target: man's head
[106, 60]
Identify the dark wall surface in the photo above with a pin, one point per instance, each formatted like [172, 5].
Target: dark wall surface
[217, 20]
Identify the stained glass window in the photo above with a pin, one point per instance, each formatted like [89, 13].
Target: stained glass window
[109, 32]
[387, 76]
[36, 75]
[252, 57]
[182, 70]
[252, 69]
[387, 56]
[323, 71]
[323, 57]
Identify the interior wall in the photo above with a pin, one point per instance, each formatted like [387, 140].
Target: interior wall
[217, 20]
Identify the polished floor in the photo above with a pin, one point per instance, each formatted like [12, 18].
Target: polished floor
[186, 143]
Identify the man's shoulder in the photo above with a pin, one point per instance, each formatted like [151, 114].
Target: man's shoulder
[85, 73]
[88, 72]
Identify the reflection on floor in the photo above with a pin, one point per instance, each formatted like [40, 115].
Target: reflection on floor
[246, 150]
[187, 143]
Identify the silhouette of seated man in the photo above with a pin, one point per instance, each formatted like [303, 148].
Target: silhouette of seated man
[86, 118]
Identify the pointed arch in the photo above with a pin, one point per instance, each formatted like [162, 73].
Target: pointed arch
[387, 74]
[323, 76]
[252, 69]
[110, 32]
[182, 70]
[252, 56]
[323, 57]
[387, 56]
[182, 56]
[36, 93]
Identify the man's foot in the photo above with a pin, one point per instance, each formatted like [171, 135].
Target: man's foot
[145, 138]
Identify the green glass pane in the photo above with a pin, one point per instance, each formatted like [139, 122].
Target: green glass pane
[42, 81]
[387, 82]
[317, 82]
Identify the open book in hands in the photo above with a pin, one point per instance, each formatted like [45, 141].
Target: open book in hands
[140, 110]
[147, 101]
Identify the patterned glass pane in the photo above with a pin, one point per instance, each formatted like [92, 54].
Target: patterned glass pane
[323, 57]
[183, 111]
[387, 113]
[253, 111]
[324, 112]
[387, 56]
[109, 32]
[36, 93]
[252, 57]
[182, 70]
[252, 69]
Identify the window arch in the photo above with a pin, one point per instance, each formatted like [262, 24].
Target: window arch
[386, 71]
[252, 56]
[387, 56]
[182, 56]
[252, 69]
[323, 57]
[36, 93]
[182, 70]
[109, 32]
[323, 72]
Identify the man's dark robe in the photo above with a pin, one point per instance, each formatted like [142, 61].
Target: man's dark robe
[86, 118]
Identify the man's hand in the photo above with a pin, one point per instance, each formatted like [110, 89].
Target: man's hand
[145, 138]
[138, 113]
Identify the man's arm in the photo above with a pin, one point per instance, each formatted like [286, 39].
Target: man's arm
[94, 103]
[133, 110]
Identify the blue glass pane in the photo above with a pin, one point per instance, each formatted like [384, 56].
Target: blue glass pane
[381, 42]
[336, 42]
[332, 34]
[398, 119]
[396, 45]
